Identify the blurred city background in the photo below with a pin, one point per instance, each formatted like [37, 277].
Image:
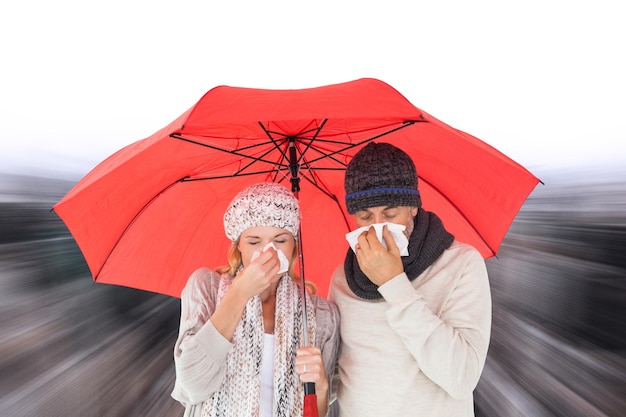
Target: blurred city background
[71, 347]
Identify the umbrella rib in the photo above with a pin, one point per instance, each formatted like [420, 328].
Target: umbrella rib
[298, 136]
[274, 141]
[332, 197]
[301, 134]
[310, 144]
[347, 145]
[235, 152]
[353, 145]
[306, 164]
[291, 139]
[130, 224]
[218, 177]
[330, 155]
[456, 208]
[256, 159]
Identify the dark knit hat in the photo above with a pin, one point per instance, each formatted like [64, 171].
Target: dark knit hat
[381, 175]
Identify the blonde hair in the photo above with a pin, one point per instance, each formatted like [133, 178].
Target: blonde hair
[235, 262]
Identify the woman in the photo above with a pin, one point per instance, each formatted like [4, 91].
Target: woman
[239, 350]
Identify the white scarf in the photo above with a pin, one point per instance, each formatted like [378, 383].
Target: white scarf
[239, 394]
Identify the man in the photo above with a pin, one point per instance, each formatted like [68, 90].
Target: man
[415, 329]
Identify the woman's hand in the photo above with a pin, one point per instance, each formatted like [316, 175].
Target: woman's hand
[259, 274]
[250, 281]
[310, 367]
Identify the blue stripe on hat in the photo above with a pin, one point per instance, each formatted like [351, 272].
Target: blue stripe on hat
[383, 190]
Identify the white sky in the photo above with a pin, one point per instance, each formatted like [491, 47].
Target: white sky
[543, 81]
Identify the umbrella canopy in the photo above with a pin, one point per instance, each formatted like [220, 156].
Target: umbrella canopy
[150, 214]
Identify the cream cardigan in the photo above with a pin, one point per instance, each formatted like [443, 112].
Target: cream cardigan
[200, 350]
[420, 350]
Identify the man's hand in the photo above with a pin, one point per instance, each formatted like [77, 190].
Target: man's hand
[377, 263]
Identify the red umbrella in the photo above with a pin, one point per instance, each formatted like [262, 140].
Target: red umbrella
[151, 213]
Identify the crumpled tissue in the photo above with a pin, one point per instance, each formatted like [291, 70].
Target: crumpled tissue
[284, 262]
[397, 232]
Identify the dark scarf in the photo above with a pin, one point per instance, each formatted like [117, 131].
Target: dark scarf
[427, 242]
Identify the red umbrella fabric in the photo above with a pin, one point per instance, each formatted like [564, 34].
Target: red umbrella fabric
[150, 214]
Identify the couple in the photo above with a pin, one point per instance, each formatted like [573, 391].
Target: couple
[414, 329]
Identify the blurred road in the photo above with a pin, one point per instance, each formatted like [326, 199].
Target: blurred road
[71, 347]
[558, 344]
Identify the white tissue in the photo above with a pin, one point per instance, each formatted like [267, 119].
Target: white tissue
[397, 232]
[284, 262]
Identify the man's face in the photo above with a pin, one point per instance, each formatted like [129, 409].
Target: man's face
[381, 214]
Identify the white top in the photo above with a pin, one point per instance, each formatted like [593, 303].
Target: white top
[267, 376]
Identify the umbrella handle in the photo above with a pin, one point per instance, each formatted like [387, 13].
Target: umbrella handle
[309, 408]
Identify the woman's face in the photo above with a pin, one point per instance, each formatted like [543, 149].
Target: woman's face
[256, 238]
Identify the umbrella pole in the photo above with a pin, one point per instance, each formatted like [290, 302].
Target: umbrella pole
[305, 324]
[309, 408]
[310, 397]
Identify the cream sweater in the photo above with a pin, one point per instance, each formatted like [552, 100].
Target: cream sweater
[200, 351]
[421, 349]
